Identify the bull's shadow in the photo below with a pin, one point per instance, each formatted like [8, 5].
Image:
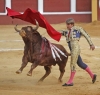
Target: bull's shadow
[39, 51]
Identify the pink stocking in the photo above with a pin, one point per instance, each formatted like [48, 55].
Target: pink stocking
[71, 77]
[89, 72]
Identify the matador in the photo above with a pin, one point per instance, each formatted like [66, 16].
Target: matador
[73, 35]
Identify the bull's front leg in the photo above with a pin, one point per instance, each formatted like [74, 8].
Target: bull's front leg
[35, 62]
[33, 66]
[24, 63]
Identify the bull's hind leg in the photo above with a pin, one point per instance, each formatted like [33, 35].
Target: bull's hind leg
[48, 71]
[62, 70]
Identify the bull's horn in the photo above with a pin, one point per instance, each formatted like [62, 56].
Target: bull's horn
[37, 25]
[16, 28]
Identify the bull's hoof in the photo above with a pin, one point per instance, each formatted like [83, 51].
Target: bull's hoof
[60, 81]
[29, 74]
[18, 72]
[39, 81]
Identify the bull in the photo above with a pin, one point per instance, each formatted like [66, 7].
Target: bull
[37, 50]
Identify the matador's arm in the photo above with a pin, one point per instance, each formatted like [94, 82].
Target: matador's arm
[63, 32]
[86, 35]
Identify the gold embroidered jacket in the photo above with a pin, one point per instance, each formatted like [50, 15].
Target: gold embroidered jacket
[76, 33]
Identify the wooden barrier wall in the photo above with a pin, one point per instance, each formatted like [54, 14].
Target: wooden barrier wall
[55, 11]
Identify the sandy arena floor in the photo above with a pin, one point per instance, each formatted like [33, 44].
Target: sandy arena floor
[11, 52]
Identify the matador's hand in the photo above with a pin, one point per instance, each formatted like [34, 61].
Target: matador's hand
[92, 47]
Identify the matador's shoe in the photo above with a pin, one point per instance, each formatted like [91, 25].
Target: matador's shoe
[94, 78]
[71, 84]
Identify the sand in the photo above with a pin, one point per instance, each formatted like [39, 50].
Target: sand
[11, 52]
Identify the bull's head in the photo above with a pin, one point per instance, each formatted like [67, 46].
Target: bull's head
[27, 31]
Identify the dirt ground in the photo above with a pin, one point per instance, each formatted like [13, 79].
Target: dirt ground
[11, 52]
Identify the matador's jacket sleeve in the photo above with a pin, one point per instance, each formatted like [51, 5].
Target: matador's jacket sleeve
[84, 33]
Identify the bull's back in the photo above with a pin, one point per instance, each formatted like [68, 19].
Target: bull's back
[63, 57]
[60, 47]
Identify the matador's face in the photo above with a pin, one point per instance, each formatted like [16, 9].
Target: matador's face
[69, 26]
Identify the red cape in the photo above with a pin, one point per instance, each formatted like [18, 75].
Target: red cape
[30, 15]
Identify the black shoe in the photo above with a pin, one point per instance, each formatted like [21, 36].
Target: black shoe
[94, 78]
[71, 84]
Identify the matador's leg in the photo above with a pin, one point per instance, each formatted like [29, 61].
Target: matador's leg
[75, 51]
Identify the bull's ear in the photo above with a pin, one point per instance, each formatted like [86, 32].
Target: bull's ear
[29, 28]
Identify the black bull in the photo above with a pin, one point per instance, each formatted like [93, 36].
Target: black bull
[38, 52]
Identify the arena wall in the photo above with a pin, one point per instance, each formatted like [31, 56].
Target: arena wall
[55, 11]
[98, 11]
